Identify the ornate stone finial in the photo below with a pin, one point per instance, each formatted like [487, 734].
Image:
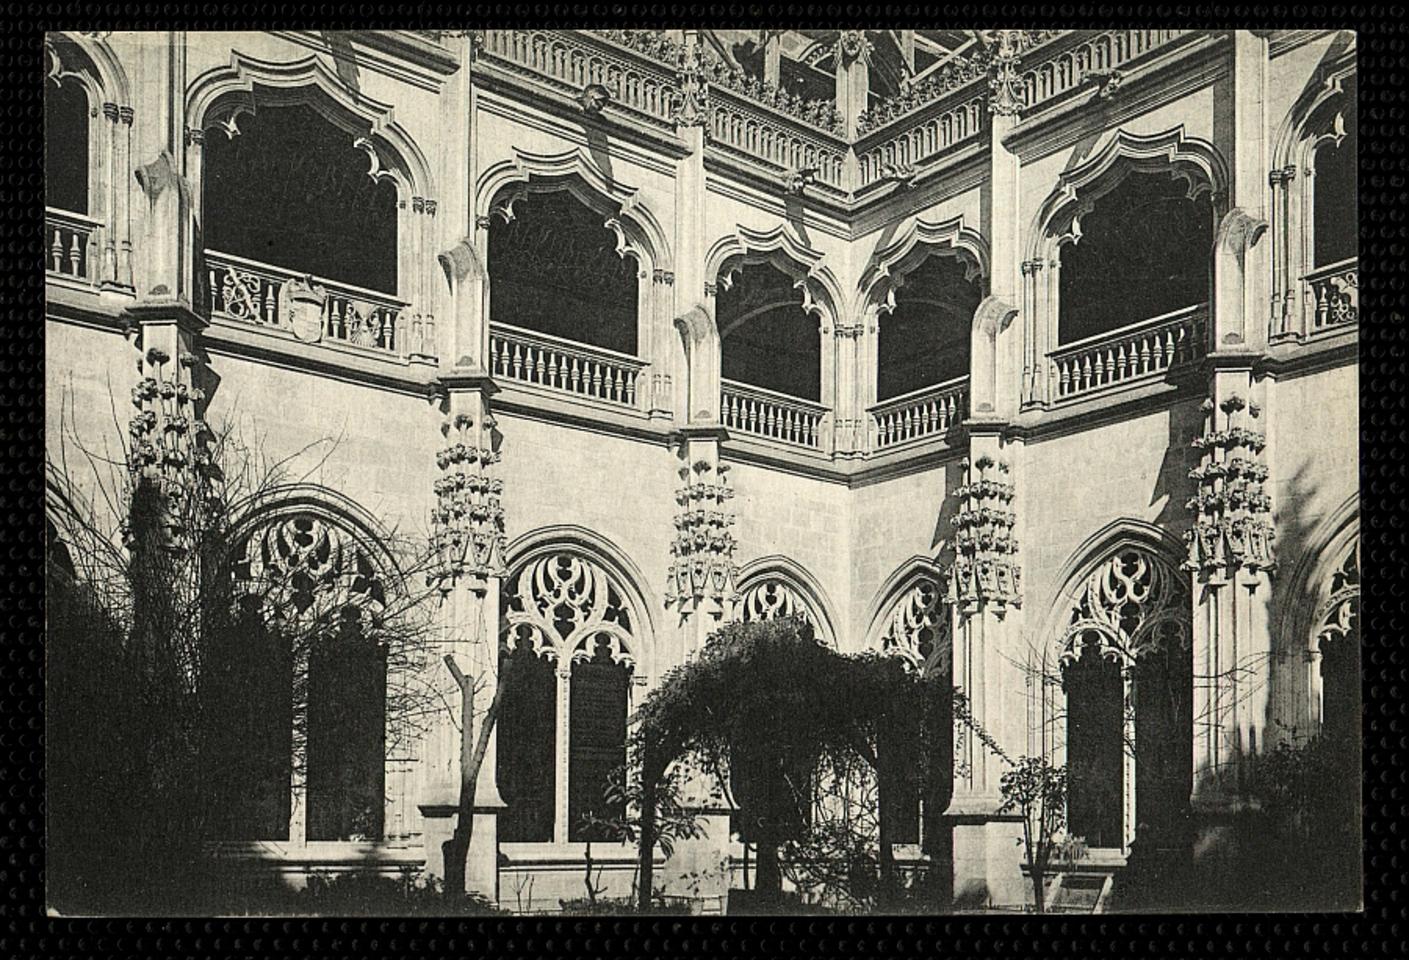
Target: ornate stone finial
[1232, 528]
[593, 98]
[852, 45]
[692, 102]
[1003, 79]
[468, 519]
[986, 567]
[702, 564]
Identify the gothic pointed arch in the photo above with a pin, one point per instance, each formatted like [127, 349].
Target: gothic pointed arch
[776, 586]
[910, 619]
[1114, 669]
[782, 247]
[910, 245]
[300, 679]
[574, 639]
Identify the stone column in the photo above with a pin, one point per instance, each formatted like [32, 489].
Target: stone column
[167, 273]
[1231, 551]
[469, 542]
[985, 581]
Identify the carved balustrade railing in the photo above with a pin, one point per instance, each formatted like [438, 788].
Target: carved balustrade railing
[1128, 354]
[742, 127]
[775, 416]
[933, 128]
[1332, 295]
[528, 356]
[921, 414]
[572, 60]
[246, 291]
[70, 243]
[1058, 67]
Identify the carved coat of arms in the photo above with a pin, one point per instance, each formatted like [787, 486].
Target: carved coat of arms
[301, 305]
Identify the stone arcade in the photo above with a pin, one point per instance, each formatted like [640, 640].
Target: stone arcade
[1029, 356]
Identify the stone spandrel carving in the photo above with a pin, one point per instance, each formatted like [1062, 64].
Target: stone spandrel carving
[985, 567]
[1231, 510]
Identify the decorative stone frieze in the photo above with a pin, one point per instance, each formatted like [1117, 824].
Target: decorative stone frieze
[468, 520]
[1231, 509]
[702, 554]
[985, 568]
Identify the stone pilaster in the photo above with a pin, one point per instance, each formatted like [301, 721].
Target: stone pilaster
[468, 567]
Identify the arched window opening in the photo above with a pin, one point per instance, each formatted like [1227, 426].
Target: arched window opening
[1338, 641]
[295, 688]
[601, 690]
[66, 161]
[1095, 695]
[924, 341]
[1336, 228]
[767, 338]
[554, 267]
[1126, 675]
[292, 189]
[1144, 251]
[562, 608]
[915, 790]
[526, 764]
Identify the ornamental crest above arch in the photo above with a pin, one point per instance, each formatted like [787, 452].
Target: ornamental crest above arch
[780, 246]
[217, 98]
[915, 242]
[565, 607]
[623, 209]
[1133, 603]
[1190, 159]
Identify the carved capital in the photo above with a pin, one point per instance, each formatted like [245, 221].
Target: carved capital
[110, 111]
[126, 115]
[663, 276]
[430, 207]
[710, 288]
[195, 135]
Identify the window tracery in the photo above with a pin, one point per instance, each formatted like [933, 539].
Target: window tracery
[919, 627]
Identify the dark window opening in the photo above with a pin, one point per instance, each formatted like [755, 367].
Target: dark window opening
[346, 750]
[66, 114]
[554, 268]
[899, 781]
[1340, 690]
[596, 742]
[290, 190]
[1145, 251]
[525, 764]
[248, 674]
[1162, 692]
[924, 341]
[767, 339]
[1095, 696]
[1336, 231]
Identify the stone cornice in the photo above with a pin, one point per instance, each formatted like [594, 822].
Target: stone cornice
[400, 54]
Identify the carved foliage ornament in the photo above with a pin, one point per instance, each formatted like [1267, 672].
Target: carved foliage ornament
[1131, 604]
[702, 553]
[169, 442]
[1231, 509]
[565, 607]
[468, 519]
[985, 568]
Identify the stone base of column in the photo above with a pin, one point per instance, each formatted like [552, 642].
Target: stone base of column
[987, 862]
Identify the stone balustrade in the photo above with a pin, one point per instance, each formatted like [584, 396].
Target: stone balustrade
[70, 242]
[1333, 295]
[527, 356]
[739, 126]
[246, 291]
[1129, 353]
[1067, 67]
[921, 414]
[938, 127]
[774, 416]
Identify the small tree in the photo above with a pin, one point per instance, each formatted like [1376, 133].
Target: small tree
[1037, 791]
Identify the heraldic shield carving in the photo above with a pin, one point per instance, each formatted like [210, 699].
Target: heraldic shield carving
[301, 306]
